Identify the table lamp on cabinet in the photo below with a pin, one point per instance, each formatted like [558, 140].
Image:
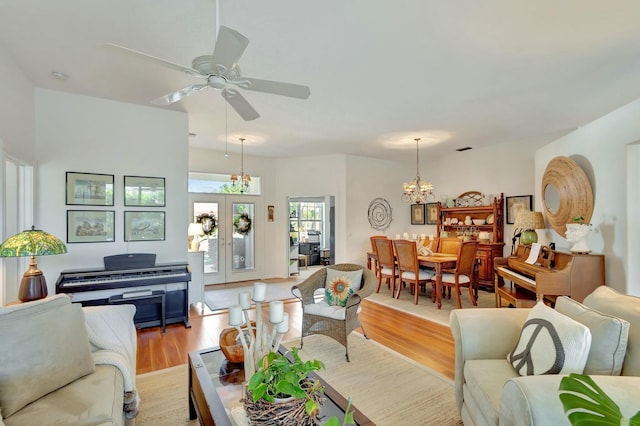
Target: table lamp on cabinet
[32, 242]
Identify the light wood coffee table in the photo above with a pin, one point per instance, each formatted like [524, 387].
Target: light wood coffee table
[215, 391]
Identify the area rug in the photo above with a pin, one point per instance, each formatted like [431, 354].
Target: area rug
[163, 397]
[219, 299]
[384, 385]
[387, 387]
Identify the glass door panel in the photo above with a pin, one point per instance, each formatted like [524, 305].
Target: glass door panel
[243, 237]
[209, 242]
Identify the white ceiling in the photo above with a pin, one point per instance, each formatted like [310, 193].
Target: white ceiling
[461, 73]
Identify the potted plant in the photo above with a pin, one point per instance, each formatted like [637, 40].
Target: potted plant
[281, 391]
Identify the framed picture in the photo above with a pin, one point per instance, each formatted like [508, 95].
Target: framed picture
[270, 211]
[432, 213]
[89, 189]
[90, 226]
[417, 214]
[516, 203]
[144, 191]
[143, 226]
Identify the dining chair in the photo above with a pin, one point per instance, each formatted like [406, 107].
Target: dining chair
[374, 258]
[449, 245]
[409, 268]
[387, 269]
[463, 275]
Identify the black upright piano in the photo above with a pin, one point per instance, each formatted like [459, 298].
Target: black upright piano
[130, 278]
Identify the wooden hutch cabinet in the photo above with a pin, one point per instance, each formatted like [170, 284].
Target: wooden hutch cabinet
[490, 234]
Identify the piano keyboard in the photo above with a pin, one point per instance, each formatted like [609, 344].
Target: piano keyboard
[71, 282]
[508, 273]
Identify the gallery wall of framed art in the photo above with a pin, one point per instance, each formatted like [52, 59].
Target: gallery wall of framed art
[99, 225]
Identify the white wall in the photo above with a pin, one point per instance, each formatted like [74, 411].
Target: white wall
[319, 176]
[601, 148]
[17, 130]
[84, 134]
[356, 181]
[17, 116]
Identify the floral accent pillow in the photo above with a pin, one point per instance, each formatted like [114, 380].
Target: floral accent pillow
[339, 285]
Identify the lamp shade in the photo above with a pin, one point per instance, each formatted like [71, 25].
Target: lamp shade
[529, 220]
[195, 229]
[32, 242]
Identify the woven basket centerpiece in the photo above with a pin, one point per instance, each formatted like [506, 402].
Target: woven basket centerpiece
[285, 412]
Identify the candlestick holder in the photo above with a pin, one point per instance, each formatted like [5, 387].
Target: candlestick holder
[261, 339]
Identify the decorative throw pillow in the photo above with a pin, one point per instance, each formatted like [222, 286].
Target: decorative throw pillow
[609, 301]
[339, 285]
[550, 343]
[45, 345]
[609, 336]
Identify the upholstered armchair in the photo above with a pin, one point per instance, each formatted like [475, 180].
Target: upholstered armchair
[322, 317]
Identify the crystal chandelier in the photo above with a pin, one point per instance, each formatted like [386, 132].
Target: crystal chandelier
[244, 180]
[418, 190]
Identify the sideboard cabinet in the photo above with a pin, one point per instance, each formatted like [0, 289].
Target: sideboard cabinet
[488, 228]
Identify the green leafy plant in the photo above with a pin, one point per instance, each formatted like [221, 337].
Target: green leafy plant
[348, 417]
[277, 377]
[585, 403]
[578, 219]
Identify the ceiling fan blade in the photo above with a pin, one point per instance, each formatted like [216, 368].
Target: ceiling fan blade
[153, 59]
[178, 95]
[277, 88]
[230, 45]
[240, 104]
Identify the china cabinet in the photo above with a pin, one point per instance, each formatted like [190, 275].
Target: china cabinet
[475, 216]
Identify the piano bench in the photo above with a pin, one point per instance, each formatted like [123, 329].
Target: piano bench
[156, 297]
[515, 296]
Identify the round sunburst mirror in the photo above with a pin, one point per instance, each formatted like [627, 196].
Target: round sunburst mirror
[566, 193]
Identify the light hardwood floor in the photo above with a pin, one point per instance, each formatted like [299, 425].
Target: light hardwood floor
[425, 342]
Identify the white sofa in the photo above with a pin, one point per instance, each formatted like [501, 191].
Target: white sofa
[488, 389]
[64, 364]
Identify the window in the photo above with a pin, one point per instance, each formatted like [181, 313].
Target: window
[306, 218]
[217, 183]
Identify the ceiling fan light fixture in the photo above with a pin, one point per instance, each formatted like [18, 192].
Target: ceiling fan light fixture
[217, 82]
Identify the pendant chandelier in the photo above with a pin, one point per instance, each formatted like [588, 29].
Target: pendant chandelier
[417, 191]
[244, 180]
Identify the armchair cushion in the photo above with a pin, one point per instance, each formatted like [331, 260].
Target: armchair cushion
[550, 343]
[49, 348]
[609, 336]
[340, 285]
[323, 309]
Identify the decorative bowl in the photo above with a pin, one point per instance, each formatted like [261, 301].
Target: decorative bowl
[230, 344]
[479, 221]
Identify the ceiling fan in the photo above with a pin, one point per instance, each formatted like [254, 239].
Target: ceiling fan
[220, 71]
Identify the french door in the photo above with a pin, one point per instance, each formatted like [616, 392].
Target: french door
[229, 246]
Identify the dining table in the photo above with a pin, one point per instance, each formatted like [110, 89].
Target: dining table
[438, 261]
